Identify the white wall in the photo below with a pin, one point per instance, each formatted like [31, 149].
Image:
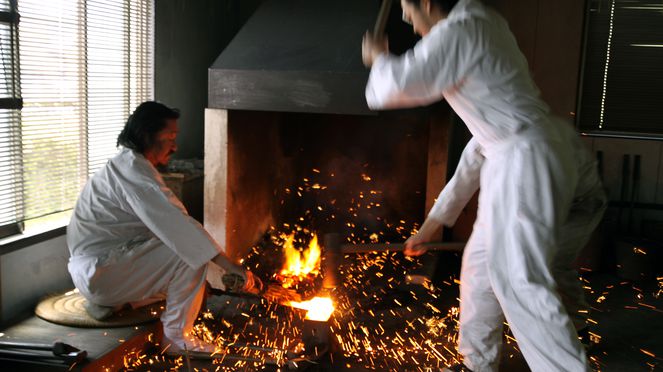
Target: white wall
[29, 274]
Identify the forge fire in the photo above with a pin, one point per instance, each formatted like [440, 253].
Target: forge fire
[373, 318]
[376, 318]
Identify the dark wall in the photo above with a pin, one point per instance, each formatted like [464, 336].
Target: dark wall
[189, 35]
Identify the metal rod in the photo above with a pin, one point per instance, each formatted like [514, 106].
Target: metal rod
[635, 185]
[332, 252]
[244, 345]
[26, 345]
[59, 349]
[221, 292]
[207, 356]
[381, 22]
[623, 195]
[397, 247]
[25, 358]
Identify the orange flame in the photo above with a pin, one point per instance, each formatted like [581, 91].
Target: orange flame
[301, 263]
[318, 308]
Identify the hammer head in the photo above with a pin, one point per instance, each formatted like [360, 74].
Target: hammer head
[69, 353]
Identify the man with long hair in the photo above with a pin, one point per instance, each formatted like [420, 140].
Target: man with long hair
[132, 241]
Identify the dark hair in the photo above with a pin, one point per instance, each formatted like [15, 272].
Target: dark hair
[445, 5]
[146, 121]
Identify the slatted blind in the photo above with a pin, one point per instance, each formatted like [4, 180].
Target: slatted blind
[10, 115]
[623, 69]
[84, 66]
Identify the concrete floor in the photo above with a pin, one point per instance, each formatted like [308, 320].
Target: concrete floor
[628, 318]
[629, 321]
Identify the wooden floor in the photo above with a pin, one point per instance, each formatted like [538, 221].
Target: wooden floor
[105, 347]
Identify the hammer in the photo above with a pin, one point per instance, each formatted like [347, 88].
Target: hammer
[399, 247]
[333, 252]
[381, 22]
[61, 350]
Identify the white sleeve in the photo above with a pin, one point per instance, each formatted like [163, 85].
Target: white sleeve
[461, 187]
[173, 226]
[417, 77]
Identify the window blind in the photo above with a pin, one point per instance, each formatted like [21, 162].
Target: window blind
[10, 104]
[623, 67]
[84, 67]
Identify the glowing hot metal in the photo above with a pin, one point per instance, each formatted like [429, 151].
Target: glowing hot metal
[318, 308]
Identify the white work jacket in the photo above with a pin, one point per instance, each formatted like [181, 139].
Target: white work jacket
[472, 60]
[127, 203]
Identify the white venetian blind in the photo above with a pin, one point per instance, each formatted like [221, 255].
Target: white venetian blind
[10, 104]
[84, 67]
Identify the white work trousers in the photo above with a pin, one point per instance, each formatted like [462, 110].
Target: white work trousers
[142, 274]
[540, 200]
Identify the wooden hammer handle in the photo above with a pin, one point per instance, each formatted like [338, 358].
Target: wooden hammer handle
[381, 22]
[398, 247]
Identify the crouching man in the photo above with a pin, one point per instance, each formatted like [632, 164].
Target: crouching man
[133, 242]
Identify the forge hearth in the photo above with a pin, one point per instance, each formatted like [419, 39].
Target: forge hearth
[291, 148]
[267, 169]
[287, 112]
[380, 322]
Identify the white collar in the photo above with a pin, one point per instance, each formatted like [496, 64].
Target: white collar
[465, 9]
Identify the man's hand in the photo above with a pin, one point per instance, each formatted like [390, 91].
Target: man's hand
[371, 48]
[414, 246]
[242, 281]
[253, 284]
[429, 231]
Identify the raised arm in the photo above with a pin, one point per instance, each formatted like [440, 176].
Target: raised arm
[415, 78]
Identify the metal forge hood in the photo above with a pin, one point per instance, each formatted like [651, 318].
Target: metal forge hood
[296, 56]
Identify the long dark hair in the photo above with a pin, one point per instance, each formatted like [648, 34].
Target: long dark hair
[146, 121]
[445, 5]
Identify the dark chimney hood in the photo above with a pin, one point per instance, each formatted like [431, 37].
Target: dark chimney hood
[296, 56]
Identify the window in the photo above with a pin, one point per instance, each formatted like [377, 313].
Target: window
[84, 66]
[623, 68]
[10, 115]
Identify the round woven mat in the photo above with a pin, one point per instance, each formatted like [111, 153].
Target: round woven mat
[68, 309]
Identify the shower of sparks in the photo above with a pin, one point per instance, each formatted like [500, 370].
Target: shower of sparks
[381, 321]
